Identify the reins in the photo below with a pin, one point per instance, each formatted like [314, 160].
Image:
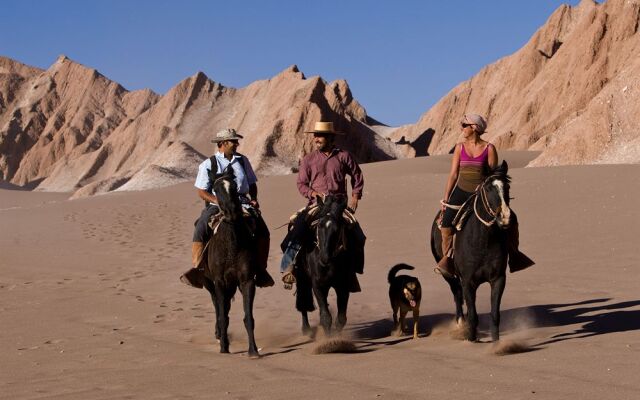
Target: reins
[315, 223]
[482, 193]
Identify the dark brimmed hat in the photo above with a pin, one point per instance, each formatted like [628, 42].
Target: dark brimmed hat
[324, 127]
[226, 134]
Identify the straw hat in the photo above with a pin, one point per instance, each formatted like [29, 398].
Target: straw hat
[226, 134]
[324, 127]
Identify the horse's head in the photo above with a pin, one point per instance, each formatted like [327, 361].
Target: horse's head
[494, 193]
[226, 190]
[330, 228]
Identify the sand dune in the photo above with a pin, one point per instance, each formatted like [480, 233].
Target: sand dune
[90, 304]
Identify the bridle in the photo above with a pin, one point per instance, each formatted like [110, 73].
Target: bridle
[481, 193]
[316, 222]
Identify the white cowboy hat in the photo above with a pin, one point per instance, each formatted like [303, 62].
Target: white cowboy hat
[226, 134]
[324, 127]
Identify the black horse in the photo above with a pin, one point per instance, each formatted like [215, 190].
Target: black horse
[326, 264]
[481, 249]
[231, 262]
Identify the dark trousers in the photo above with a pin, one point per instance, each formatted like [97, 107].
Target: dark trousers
[300, 230]
[202, 232]
[456, 198]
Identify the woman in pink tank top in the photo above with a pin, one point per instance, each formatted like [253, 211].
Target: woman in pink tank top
[472, 159]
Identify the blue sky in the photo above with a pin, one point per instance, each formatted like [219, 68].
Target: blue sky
[399, 57]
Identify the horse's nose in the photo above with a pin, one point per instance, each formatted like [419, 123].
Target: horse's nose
[324, 260]
[504, 217]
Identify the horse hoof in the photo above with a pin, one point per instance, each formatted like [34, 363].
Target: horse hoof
[254, 356]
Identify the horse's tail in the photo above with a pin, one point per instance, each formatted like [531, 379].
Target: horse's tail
[394, 270]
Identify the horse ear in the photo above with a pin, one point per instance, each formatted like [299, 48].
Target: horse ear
[502, 169]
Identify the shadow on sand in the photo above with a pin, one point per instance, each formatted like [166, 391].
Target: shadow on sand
[594, 317]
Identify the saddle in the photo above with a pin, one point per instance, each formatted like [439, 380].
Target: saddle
[312, 212]
[461, 216]
[249, 216]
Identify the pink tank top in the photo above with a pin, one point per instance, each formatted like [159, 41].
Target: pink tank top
[473, 170]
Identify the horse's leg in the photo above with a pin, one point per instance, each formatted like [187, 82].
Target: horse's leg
[208, 284]
[222, 317]
[343, 301]
[456, 289]
[248, 295]
[306, 328]
[304, 300]
[469, 292]
[497, 288]
[325, 316]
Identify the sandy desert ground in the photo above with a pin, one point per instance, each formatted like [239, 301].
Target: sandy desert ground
[91, 307]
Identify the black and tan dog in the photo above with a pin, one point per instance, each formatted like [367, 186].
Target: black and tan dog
[405, 294]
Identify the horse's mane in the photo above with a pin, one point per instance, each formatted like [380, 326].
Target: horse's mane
[332, 206]
[500, 173]
[226, 191]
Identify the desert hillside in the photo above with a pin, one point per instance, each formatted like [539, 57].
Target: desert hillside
[69, 128]
[571, 92]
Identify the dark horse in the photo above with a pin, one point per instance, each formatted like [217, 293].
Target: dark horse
[326, 264]
[481, 250]
[231, 262]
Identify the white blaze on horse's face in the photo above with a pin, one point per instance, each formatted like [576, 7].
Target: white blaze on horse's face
[504, 214]
[226, 185]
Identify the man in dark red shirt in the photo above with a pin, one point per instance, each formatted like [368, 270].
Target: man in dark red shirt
[323, 172]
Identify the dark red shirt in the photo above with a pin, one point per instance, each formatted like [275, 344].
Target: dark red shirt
[327, 174]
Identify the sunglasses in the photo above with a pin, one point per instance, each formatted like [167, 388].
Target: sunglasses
[466, 125]
[232, 141]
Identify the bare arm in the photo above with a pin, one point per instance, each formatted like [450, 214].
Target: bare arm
[493, 156]
[453, 173]
[206, 196]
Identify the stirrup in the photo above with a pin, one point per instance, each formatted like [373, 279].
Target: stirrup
[441, 271]
[194, 277]
[288, 279]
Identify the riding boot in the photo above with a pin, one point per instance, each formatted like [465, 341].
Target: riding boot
[263, 278]
[195, 276]
[517, 260]
[445, 265]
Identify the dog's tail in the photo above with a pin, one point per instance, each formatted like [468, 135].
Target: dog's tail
[394, 270]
